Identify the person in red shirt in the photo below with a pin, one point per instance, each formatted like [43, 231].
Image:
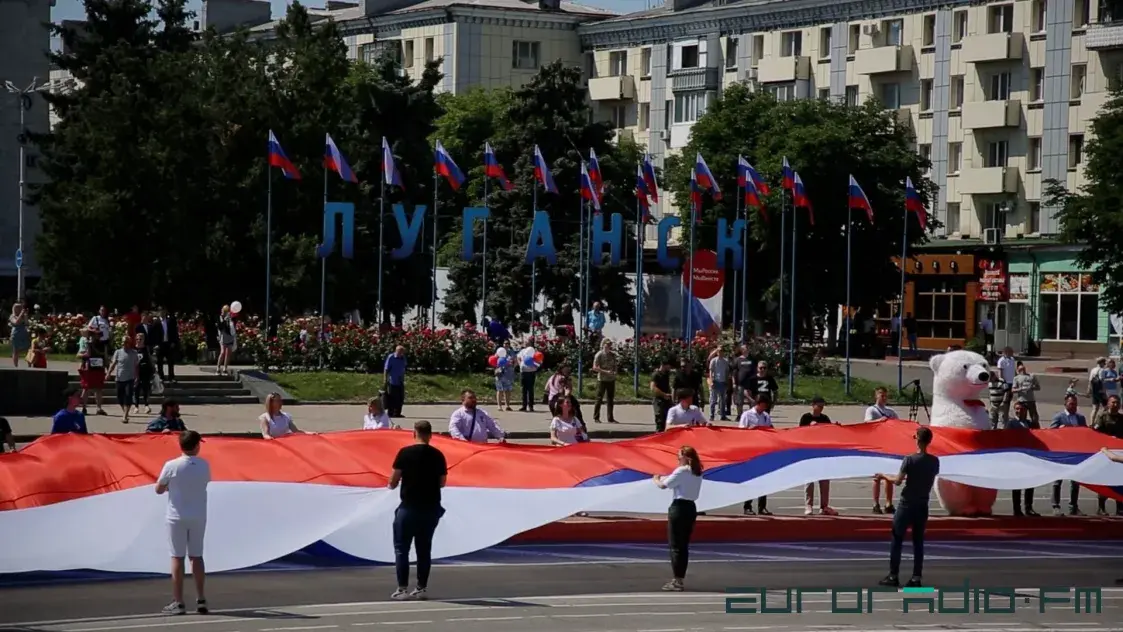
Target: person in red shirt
[133, 318]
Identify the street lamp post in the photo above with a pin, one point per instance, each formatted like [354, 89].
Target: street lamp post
[23, 102]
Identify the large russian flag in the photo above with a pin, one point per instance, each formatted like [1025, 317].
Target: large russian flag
[87, 501]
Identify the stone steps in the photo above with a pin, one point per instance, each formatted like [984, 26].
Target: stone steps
[190, 389]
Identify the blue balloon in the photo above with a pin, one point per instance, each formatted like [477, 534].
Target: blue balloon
[528, 362]
[502, 362]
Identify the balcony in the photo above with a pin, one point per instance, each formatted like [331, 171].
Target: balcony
[992, 114]
[988, 180]
[882, 60]
[1107, 36]
[978, 49]
[783, 69]
[612, 88]
[693, 79]
[903, 115]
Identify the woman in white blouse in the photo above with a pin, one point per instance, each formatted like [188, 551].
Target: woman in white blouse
[566, 429]
[686, 483]
[376, 418]
[276, 422]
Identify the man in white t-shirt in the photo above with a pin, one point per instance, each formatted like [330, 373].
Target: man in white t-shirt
[184, 480]
[757, 417]
[528, 373]
[879, 411]
[684, 413]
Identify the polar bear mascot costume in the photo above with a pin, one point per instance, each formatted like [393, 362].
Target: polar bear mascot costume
[958, 379]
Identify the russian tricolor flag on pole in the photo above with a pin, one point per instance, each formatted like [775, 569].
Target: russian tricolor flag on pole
[799, 197]
[642, 195]
[705, 178]
[746, 173]
[858, 199]
[752, 198]
[277, 158]
[588, 188]
[649, 179]
[595, 173]
[334, 160]
[446, 166]
[787, 176]
[913, 203]
[542, 172]
[390, 173]
[493, 169]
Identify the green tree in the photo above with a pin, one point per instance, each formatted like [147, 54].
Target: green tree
[1091, 216]
[825, 142]
[552, 112]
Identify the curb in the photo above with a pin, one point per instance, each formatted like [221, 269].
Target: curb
[618, 402]
[518, 435]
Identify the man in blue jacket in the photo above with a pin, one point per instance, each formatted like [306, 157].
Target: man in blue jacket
[70, 419]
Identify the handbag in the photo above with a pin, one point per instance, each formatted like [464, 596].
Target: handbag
[157, 385]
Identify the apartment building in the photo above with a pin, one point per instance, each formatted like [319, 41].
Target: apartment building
[1000, 94]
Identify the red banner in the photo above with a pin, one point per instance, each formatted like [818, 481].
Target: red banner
[994, 282]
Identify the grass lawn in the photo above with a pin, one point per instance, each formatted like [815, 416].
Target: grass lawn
[358, 387]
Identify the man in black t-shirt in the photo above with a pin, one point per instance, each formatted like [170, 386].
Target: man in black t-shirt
[662, 395]
[687, 377]
[6, 438]
[918, 473]
[421, 470]
[743, 370]
[817, 416]
[762, 384]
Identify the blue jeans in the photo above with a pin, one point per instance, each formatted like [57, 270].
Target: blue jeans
[717, 397]
[414, 527]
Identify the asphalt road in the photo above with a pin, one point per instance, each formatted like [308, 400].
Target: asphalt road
[605, 588]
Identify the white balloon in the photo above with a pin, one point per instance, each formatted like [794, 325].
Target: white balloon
[501, 352]
[531, 351]
[235, 307]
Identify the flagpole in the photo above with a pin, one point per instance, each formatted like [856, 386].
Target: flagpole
[849, 324]
[736, 272]
[745, 274]
[324, 265]
[533, 264]
[381, 217]
[690, 285]
[901, 306]
[581, 301]
[433, 309]
[268, 242]
[783, 260]
[639, 297]
[483, 286]
[791, 327]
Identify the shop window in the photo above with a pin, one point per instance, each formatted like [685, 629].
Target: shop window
[1070, 308]
[941, 309]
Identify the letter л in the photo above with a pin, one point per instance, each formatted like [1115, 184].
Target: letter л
[346, 211]
[408, 230]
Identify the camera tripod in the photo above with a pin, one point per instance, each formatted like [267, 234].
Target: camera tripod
[918, 402]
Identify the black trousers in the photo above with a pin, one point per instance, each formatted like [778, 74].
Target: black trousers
[527, 380]
[908, 517]
[1017, 498]
[143, 390]
[125, 393]
[761, 503]
[660, 407]
[1073, 494]
[605, 390]
[165, 353]
[414, 527]
[395, 399]
[680, 525]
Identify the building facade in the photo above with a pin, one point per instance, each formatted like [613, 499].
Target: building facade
[1001, 96]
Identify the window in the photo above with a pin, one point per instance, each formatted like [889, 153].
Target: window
[368, 53]
[619, 116]
[430, 50]
[690, 56]
[1037, 84]
[894, 32]
[782, 91]
[891, 95]
[955, 157]
[925, 95]
[959, 27]
[644, 116]
[999, 87]
[618, 63]
[1000, 19]
[995, 216]
[956, 92]
[1039, 16]
[925, 151]
[731, 52]
[668, 114]
[852, 95]
[791, 44]
[407, 54]
[1079, 75]
[997, 153]
[1033, 218]
[855, 38]
[952, 218]
[1075, 149]
[825, 42]
[1080, 13]
[758, 49]
[1033, 154]
[524, 55]
[645, 62]
[689, 106]
[824, 94]
[940, 308]
[1070, 307]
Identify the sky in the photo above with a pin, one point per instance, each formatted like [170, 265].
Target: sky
[72, 9]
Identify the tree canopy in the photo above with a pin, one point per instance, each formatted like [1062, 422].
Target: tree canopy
[1091, 216]
[825, 142]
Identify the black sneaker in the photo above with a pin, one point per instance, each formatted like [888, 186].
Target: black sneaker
[877, 509]
[764, 512]
[890, 509]
[1031, 513]
[1018, 513]
[914, 582]
[175, 607]
[749, 511]
[201, 607]
[891, 581]
[1073, 511]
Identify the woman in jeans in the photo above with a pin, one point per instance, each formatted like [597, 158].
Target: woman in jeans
[686, 483]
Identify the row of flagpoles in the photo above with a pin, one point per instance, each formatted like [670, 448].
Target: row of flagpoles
[751, 187]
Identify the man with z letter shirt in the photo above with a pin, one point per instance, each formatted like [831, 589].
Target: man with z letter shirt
[184, 480]
[421, 470]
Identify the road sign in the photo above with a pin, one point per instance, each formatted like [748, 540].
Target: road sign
[19, 258]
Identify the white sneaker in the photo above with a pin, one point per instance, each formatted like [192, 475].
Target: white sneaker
[419, 594]
[808, 511]
[400, 594]
[175, 607]
[674, 585]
